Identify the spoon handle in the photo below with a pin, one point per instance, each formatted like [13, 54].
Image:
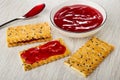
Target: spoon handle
[8, 22]
[19, 18]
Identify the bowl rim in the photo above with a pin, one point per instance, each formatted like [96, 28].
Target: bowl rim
[100, 26]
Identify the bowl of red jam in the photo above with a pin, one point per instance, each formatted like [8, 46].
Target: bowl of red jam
[78, 18]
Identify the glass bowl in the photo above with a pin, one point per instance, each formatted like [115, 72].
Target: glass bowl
[78, 34]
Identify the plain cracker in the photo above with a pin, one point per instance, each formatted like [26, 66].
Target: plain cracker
[89, 56]
[20, 35]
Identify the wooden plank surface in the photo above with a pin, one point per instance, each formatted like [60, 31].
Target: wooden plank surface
[10, 64]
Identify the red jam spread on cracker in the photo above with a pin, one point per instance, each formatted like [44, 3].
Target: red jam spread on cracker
[78, 18]
[43, 52]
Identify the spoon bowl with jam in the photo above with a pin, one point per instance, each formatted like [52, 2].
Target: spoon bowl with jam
[78, 18]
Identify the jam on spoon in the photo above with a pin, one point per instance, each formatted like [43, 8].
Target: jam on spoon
[34, 11]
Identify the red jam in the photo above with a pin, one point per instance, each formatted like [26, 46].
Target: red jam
[43, 52]
[35, 10]
[78, 18]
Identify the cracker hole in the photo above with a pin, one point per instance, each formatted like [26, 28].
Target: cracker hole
[81, 70]
[72, 61]
[87, 65]
[88, 45]
[93, 69]
[103, 57]
[81, 56]
[41, 27]
[27, 36]
[102, 48]
[28, 67]
[40, 31]
[32, 37]
[96, 44]
[91, 62]
[88, 69]
[92, 48]
[68, 61]
[83, 63]
[33, 29]
[96, 59]
[99, 54]
[9, 34]
[70, 65]
[91, 40]
[42, 38]
[88, 58]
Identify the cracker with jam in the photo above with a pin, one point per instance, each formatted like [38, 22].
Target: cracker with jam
[25, 34]
[87, 58]
[43, 54]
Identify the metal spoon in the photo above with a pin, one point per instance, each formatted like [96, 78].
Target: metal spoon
[34, 11]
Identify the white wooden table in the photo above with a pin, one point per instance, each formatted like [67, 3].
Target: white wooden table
[10, 64]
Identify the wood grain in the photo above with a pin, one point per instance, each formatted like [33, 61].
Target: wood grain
[10, 64]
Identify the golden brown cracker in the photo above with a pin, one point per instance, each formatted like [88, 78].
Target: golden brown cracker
[89, 56]
[20, 35]
[48, 60]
